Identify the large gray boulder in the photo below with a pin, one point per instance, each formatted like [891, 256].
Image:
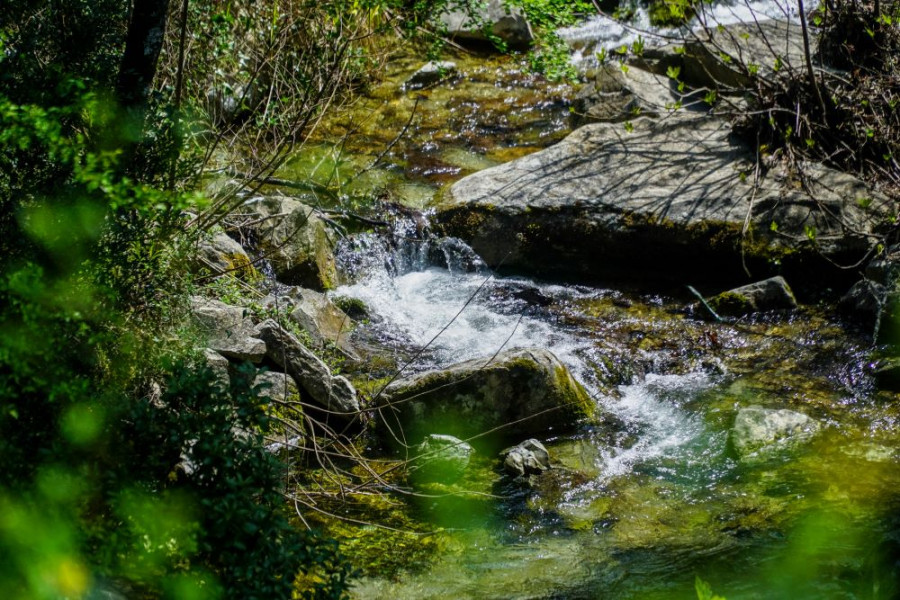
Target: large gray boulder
[760, 431]
[517, 394]
[296, 242]
[226, 329]
[313, 376]
[506, 22]
[667, 201]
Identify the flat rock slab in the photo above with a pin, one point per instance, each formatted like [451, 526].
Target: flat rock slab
[517, 394]
[441, 458]
[667, 201]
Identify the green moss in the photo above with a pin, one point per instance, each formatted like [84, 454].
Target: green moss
[242, 267]
[573, 395]
[353, 307]
[731, 304]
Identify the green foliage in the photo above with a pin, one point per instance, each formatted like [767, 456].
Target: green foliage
[704, 591]
[551, 56]
[122, 461]
[670, 13]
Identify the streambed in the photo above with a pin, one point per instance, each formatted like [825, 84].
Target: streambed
[664, 497]
[660, 498]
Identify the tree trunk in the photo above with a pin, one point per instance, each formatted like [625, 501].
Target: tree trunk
[146, 31]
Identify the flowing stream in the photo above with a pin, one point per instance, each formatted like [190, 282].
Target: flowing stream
[664, 499]
[646, 505]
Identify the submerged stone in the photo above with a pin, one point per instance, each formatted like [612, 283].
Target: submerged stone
[441, 458]
[514, 394]
[758, 431]
[431, 72]
[527, 458]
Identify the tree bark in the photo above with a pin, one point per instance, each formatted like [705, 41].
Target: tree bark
[146, 31]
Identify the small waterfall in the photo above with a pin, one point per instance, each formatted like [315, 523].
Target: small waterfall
[437, 292]
[602, 32]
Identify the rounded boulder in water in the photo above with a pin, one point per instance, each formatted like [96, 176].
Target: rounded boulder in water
[441, 458]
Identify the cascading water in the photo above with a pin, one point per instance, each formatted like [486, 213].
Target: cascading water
[664, 498]
[645, 504]
[436, 295]
[606, 33]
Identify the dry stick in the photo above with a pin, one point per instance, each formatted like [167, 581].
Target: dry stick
[179, 81]
[746, 227]
[808, 57]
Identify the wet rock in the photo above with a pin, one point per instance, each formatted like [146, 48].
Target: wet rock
[666, 202]
[863, 302]
[769, 294]
[335, 394]
[506, 22]
[441, 458]
[295, 241]
[874, 300]
[760, 430]
[518, 393]
[218, 364]
[221, 254]
[227, 329]
[354, 308]
[528, 458]
[431, 72]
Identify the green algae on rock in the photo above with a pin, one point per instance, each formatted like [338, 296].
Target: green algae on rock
[296, 241]
[518, 393]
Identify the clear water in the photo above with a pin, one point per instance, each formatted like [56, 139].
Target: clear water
[663, 499]
[659, 498]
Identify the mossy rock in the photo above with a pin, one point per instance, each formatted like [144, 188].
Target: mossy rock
[296, 242]
[517, 394]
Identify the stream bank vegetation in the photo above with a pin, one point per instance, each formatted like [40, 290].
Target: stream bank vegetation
[127, 467]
